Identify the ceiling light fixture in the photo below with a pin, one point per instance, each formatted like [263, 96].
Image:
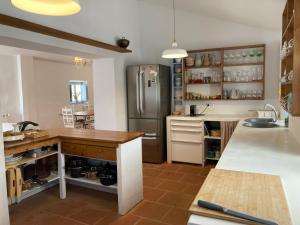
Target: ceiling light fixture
[48, 7]
[174, 52]
[81, 62]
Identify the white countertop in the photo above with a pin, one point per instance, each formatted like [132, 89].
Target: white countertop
[263, 150]
[211, 117]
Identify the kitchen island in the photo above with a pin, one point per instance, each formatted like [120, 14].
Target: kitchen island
[273, 151]
[123, 147]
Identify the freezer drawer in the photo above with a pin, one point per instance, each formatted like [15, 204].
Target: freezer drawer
[187, 152]
[151, 127]
[152, 152]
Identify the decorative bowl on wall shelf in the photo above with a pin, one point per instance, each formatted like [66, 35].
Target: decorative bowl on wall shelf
[123, 42]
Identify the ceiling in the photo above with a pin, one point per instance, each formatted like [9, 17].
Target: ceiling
[259, 13]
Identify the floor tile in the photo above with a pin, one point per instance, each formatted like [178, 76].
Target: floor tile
[191, 169]
[176, 217]
[151, 172]
[192, 189]
[51, 219]
[89, 215]
[170, 167]
[152, 181]
[149, 222]
[151, 210]
[172, 186]
[193, 179]
[152, 194]
[64, 209]
[179, 200]
[119, 220]
[169, 175]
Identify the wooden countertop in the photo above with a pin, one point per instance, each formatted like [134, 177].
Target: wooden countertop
[56, 135]
[116, 137]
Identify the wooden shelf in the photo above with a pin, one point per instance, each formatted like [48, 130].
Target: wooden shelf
[203, 83]
[244, 64]
[211, 137]
[30, 159]
[287, 83]
[93, 184]
[204, 99]
[243, 82]
[239, 99]
[291, 22]
[208, 158]
[201, 67]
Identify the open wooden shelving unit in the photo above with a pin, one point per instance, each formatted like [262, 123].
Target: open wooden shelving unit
[222, 66]
[291, 61]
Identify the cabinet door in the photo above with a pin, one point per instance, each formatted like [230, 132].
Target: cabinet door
[187, 152]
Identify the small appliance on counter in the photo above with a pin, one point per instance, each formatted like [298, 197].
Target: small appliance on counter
[193, 110]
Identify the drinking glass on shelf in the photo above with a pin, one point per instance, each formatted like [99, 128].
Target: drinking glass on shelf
[226, 59]
[252, 56]
[238, 58]
[259, 55]
[244, 56]
[259, 93]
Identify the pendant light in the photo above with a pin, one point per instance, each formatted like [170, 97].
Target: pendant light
[174, 52]
[48, 7]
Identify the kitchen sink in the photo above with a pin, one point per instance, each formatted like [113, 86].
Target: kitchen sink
[261, 125]
[259, 120]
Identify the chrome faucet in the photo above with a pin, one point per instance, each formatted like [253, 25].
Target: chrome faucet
[274, 110]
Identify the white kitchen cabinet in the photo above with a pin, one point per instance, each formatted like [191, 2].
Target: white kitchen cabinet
[185, 140]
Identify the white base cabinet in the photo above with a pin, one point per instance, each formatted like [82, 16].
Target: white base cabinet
[185, 140]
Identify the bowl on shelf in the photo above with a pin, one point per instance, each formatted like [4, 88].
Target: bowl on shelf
[123, 42]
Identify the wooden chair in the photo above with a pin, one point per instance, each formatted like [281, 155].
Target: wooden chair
[68, 119]
[89, 122]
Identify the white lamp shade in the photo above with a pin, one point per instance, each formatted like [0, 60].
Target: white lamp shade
[48, 7]
[174, 53]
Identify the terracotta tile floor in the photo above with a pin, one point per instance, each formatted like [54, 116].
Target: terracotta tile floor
[168, 192]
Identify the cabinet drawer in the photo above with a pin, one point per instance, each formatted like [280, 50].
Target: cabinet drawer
[89, 151]
[187, 123]
[72, 148]
[187, 136]
[187, 152]
[99, 152]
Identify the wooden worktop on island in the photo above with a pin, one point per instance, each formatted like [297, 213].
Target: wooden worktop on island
[95, 137]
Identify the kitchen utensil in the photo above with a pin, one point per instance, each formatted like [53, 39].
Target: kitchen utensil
[123, 42]
[193, 110]
[234, 94]
[199, 60]
[11, 183]
[108, 176]
[190, 61]
[206, 60]
[76, 172]
[212, 206]
[10, 136]
[215, 133]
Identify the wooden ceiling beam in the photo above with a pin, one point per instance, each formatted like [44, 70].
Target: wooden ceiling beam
[37, 28]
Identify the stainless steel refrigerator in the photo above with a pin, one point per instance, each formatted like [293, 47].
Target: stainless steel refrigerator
[148, 104]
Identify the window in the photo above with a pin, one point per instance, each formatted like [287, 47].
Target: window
[78, 91]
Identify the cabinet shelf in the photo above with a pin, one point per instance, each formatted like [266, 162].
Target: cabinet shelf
[291, 22]
[243, 82]
[30, 159]
[244, 64]
[202, 67]
[211, 137]
[216, 158]
[204, 83]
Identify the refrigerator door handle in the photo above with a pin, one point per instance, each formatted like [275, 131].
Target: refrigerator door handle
[137, 93]
[150, 134]
[141, 92]
[149, 138]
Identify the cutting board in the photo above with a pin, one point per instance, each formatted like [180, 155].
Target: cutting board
[19, 182]
[255, 194]
[11, 183]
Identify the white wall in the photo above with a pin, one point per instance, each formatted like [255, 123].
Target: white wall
[110, 95]
[51, 89]
[294, 126]
[9, 88]
[4, 216]
[199, 32]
